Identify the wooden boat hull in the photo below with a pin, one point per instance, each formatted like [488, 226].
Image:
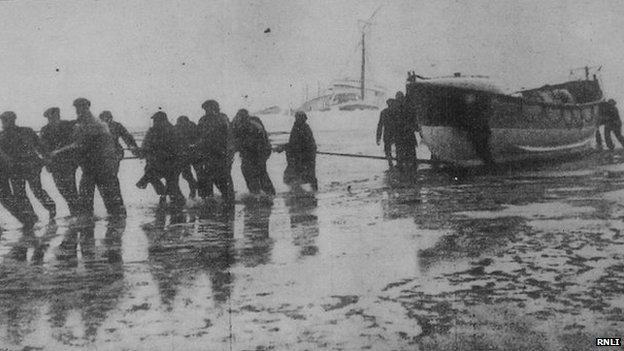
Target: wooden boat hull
[452, 145]
[519, 129]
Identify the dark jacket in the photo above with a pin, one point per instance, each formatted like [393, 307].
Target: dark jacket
[609, 115]
[188, 131]
[22, 146]
[120, 132]
[386, 126]
[252, 140]
[300, 154]
[96, 147]
[214, 138]
[404, 125]
[54, 137]
[164, 149]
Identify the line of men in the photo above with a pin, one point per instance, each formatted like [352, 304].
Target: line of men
[398, 128]
[63, 146]
[209, 148]
[93, 145]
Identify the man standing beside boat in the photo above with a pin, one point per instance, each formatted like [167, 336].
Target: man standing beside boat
[405, 137]
[387, 128]
[475, 123]
[609, 117]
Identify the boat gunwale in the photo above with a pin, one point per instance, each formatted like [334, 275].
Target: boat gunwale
[518, 100]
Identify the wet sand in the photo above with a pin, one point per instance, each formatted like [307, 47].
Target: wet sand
[524, 259]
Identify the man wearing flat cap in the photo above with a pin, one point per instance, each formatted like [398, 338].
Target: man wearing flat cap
[95, 148]
[22, 146]
[164, 151]
[55, 135]
[215, 151]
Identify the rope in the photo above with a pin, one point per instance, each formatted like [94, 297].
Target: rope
[372, 157]
[420, 160]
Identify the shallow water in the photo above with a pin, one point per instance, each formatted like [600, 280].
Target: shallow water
[528, 258]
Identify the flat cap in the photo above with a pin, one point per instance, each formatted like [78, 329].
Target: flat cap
[8, 116]
[82, 102]
[51, 112]
[159, 116]
[210, 104]
[106, 115]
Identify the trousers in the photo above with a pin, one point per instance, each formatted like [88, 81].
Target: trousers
[254, 171]
[65, 181]
[33, 177]
[108, 187]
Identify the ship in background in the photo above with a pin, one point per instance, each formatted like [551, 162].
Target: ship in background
[349, 94]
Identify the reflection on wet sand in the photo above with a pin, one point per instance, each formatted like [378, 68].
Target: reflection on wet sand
[101, 282]
[91, 284]
[303, 221]
[472, 238]
[512, 250]
[440, 261]
[257, 244]
[29, 240]
[180, 252]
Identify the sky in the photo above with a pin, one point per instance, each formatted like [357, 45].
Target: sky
[133, 57]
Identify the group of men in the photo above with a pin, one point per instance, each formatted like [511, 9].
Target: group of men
[62, 147]
[93, 145]
[397, 127]
[209, 146]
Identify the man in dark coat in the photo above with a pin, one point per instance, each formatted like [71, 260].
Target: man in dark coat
[386, 127]
[23, 148]
[215, 149]
[98, 160]
[164, 151]
[55, 135]
[610, 118]
[252, 142]
[405, 137]
[190, 135]
[119, 132]
[300, 154]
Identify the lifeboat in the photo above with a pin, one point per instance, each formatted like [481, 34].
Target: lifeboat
[546, 122]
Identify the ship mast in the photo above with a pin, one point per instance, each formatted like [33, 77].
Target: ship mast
[365, 25]
[363, 73]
